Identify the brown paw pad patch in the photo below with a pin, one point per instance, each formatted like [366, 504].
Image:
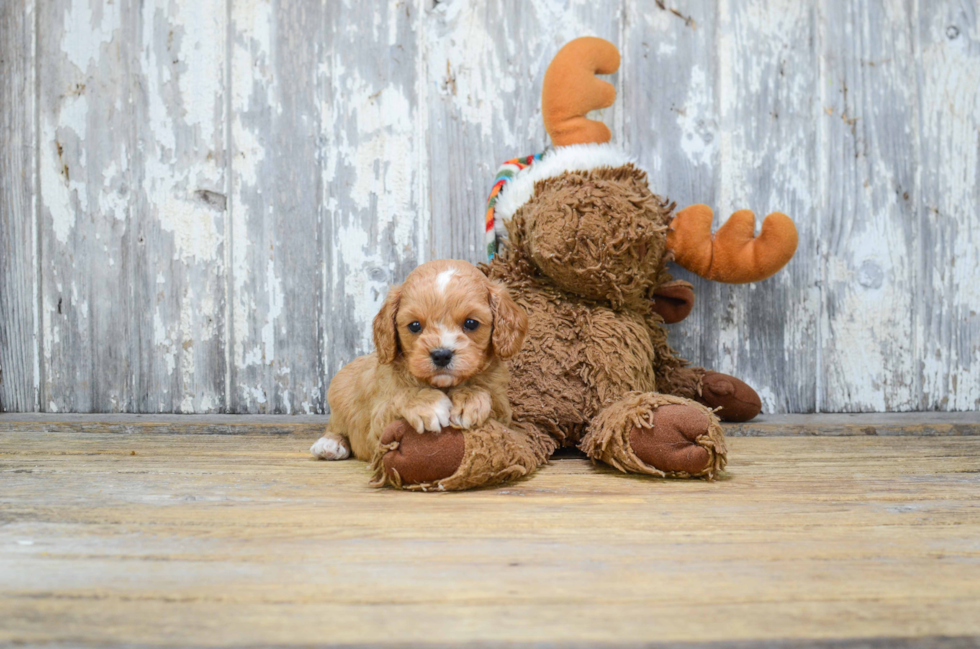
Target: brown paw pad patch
[671, 444]
[421, 457]
[738, 401]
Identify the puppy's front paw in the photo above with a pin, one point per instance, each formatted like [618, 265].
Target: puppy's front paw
[470, 408]
[429, 412]
[330, 448]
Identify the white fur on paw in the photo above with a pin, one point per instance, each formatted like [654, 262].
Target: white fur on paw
[327, 448]
[430, 416]
[438, 417]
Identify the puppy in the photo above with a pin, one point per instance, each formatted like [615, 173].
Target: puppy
[439, 341]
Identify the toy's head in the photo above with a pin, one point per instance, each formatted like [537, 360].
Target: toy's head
[584, 214]
[600, 234]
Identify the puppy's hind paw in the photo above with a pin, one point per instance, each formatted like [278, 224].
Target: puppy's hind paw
[330, 448]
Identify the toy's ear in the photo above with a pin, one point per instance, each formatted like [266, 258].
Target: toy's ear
[734, 254]
[571, 90]
[509, 322]
[385, 330]
[673, 301]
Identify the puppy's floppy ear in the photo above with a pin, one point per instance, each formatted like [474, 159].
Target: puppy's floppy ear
[509, 322]
[385, 331]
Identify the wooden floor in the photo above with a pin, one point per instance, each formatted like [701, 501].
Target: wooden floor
[150, 538]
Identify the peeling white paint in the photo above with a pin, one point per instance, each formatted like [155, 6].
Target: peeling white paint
[202, 59]
[88, 26]
[275, 296]
[769, 399]
[192, 224]
[383, 164]
[161, 338]
[367, 294]
[869, 293]
[174, 173]
[63, 165]
[252, 45]
[949, 341]
[758, 119]
[471, 66]
[696, 120]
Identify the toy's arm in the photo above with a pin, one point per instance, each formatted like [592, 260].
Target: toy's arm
[674, 300]
[733, 254]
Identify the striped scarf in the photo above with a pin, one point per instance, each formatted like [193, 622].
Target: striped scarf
[505, 174]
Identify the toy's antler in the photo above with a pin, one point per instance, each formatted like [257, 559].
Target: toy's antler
[571, 89]
[734, 254]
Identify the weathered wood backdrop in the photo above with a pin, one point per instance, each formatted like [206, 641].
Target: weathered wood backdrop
[204, 201]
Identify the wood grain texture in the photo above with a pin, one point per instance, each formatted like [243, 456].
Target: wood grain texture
[867, 231]
[131, 174]
[277, 246]
[89, 171]
[19, 366]
[179, 280]
[948, 304]
[375, 166]
[768, 79]
[207, 202]
[671, 124]
[903, 424]
[484, 65]
[227, 540]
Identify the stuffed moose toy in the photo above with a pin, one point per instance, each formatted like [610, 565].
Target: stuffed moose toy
[586, 253]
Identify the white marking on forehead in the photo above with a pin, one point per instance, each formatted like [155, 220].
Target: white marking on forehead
[442, 279]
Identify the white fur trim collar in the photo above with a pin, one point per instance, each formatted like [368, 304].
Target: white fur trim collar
[577, 157]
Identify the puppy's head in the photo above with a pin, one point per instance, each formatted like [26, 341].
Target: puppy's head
[447, 322]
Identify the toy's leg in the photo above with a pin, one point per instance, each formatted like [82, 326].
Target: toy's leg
[736, 400]
[657, 434]
[454, 459]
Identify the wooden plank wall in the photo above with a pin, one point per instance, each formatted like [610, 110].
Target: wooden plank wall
[204, 202]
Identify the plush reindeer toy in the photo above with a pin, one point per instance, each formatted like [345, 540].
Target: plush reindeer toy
[586, 253]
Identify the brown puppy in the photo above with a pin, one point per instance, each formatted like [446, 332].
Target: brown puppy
[439, 341]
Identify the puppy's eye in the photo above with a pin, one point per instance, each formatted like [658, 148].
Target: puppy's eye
[415, 327]
[471, 324]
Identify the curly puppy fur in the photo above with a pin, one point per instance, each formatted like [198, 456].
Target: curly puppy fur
[444, 308]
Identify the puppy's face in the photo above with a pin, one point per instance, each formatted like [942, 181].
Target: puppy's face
[447, 322]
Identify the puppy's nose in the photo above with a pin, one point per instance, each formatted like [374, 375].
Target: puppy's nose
[441, 357]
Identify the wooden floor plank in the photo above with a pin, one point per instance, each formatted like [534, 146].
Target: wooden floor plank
[219, 540]
[834, 424]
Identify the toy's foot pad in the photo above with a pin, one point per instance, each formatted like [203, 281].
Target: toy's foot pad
[421, 457]
[671, 445]
[738, 402]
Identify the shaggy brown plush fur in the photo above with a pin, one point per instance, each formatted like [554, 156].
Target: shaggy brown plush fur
[610, 437]
[585, 256]
[592, 334]
[586, 261]
[593, 234]
[490, 454]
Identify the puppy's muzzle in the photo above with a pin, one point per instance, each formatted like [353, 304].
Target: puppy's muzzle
[441, 357]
